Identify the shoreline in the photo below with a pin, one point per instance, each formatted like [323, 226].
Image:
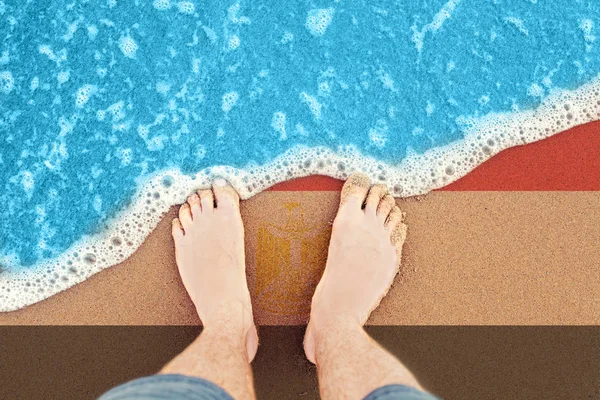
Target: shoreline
[485, 137]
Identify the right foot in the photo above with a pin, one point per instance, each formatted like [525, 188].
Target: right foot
[209, 249]
[363, 259]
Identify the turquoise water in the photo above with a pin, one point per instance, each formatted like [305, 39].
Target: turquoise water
[96, 96]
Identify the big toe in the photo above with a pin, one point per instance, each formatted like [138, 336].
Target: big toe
[355, 189]
[225, 195]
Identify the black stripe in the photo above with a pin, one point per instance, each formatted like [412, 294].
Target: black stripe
[468, 362]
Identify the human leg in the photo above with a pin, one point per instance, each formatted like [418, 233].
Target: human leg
[364, 256]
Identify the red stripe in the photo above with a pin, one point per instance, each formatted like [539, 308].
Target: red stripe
[314, 182]
[567, 161]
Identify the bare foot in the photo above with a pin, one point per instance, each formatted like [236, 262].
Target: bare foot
[209, 249]
[364, 257]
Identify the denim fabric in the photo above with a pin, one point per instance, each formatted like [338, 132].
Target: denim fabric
[167, 387]
[398, 392]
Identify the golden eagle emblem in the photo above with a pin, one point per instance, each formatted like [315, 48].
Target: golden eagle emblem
[290, 260]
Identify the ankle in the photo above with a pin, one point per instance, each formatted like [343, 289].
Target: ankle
[231, 319]
[326, 326]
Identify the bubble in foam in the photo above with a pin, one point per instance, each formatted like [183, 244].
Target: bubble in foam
[116, 111]
[125, 155]
[324, 89]
[378, 135]
[186, 7]
[63, 77]
[233, 43]
[128, 46]
[229, 100]
[200, 151]
[287, 37]
[586, 25]
[167, 181]
[162, 5]
[318, 20]
[7, 82]
[28, 182]
[83, 94]
[278, 123]
[535, 90]
[90, 258]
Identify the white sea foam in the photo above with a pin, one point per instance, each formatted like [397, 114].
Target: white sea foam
[318, 20]
[417, 174]
[128, 46]
[83, 94]
[287, 37]
[379, 134]
[517, 24]
[438, 20]
[162, 5]
[233, 43]
[228, 101]
[63, 77]
[92, 31]
[7, 82]
[278, 124]
[313, 104]
[186, 7]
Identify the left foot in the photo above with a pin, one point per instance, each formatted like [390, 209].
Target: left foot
[209, 249]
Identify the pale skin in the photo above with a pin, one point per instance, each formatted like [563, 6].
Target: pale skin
[363, 259]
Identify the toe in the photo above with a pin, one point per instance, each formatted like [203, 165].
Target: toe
[355, 189]
[194, 202]
[397, 238]
[225, 194]
[385, 206]
[207, 200]
[399, 234]
[176, 228]
[393, 219]
[185, 216]
[374, 197]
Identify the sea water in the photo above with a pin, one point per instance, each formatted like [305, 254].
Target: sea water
[113, 110]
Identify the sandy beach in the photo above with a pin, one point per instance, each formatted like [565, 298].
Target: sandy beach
[513, 243]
